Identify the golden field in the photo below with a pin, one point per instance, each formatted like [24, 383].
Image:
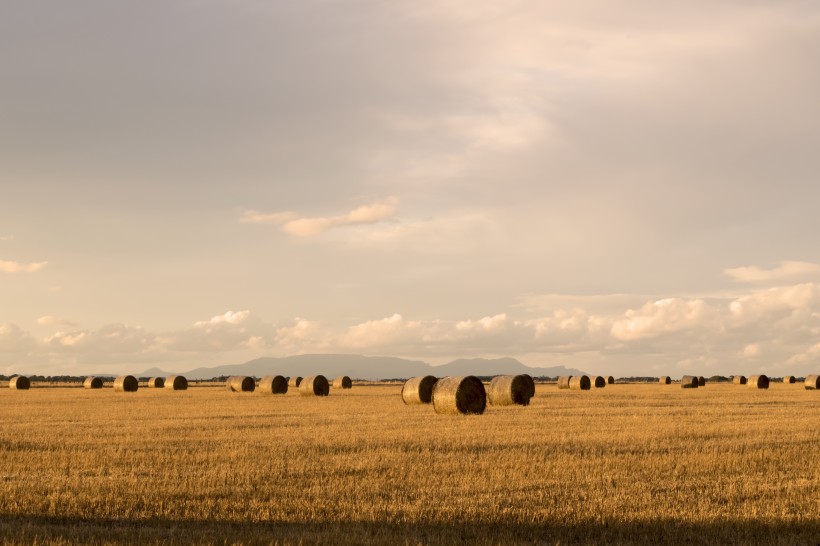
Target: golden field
[643, 464]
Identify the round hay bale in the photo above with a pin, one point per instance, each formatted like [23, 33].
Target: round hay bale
[508, 390]
[156, 383]
[812, 383]
[294, 382]
[418, 390]
[689, 382]
[701, 381]
[563, 381]
[273, 384]
[342, 382]
[93, 383]
[789, 379]
[531, 383]
[176, 383]
[315, 385]
[20, 383]
[610, 380]
[739, 380]
[126, 383]
[599, 382]
[241, 383]
[758, 382]
[459, 395]
[665, 380]
[580, 383]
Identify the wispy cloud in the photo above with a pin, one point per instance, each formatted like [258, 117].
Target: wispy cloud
[18, 267]
[6, 237]
[787, 270]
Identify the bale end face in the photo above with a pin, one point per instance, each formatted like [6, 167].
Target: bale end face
[459, 396]
[418, 390]
[599, 382]
[610, 380]
[508, 390]
[701, 381]
[315, 385]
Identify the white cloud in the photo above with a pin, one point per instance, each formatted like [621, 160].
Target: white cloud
[787, 271]
[296, 225]
[18, 267]
[51, 320]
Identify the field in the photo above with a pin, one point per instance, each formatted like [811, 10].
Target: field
[626, 464]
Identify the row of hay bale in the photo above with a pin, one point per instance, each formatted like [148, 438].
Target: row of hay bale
[755, 381]
[129, 383]
[467, 394]
[584, 382]
[315, 385]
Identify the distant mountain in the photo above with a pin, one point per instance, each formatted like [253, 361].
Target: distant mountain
[366, 367]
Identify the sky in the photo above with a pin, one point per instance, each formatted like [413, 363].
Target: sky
[625, 187]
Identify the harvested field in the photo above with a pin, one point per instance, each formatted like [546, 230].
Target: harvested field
[332, 465]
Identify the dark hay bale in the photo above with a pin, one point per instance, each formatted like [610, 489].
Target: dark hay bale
[156, 383]
[610, 380]
[689, 382]
[531, 383]
[563, 381]
[701, 381]
[418, 390]
[599, 382]
[273, 384]
[459, 395]
[739, 380]
[294, 382]
[758, 382]
[789, 379]
[812, 383]
[93, 383]
[315, 385]
[342, 382]
[20, 383]
[176, 383]
[241, 383]
[579, 383]
[665, 380]
[126, 383]
[508, 390]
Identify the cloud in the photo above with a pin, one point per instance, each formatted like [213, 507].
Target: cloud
[787, 271]
[17, 267]
[293, 224]
[6, 238]
[51, 320]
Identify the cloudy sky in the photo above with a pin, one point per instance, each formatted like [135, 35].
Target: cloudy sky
[623, 187]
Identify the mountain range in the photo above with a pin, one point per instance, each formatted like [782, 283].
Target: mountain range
[365, 367]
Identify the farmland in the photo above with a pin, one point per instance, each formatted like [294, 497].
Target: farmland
[626, 464]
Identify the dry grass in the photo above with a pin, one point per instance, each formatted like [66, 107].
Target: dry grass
[652, 465]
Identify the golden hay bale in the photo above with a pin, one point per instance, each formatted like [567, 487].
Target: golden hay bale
[689, 382]
[294, 381]
[789, 379]
[579, 383]
[508, 390]
[241, 383]
[273, 384]
[315, 385]
[20, 383]
[665, 380]
[701, 381]
[531, 383]
[610, 380]
[599, 382]
[93, 383]
[739, 380]
[156, 383]
[563, 381]
[758, 382]
[126, 383]
[176, 383]
[418, 390]
[812, 383]
[342, 382]
[459, 395]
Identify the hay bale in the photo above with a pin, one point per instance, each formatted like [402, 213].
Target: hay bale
[563, 381]
[579, 383]
[93, 383]
[739, 380]
[241, 383]
[315, 385]
[689, 382]
[294, 382]
[20, 383]
[176, 383]
[273, 384]
[665, 380]
[599, 382]
[126, 383]
[508, 390]
[156, 383]
[418, 390]
[531, 383]
[758, 382]
[789, 379]
[701, 381]
[342, 382]
[610, 380]
[459, 395]
[812, 383]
